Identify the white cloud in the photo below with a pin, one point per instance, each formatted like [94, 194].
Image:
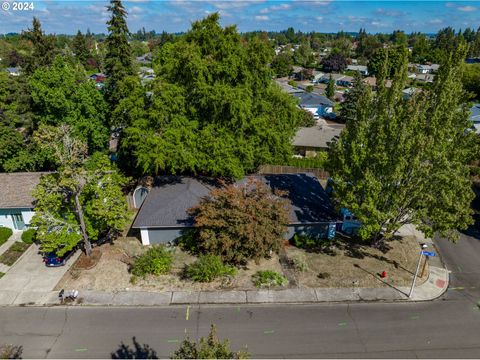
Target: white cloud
[319, 18]
[435, 21]
[275, 8]
[467, 8]
[261, 18]
[135, 10]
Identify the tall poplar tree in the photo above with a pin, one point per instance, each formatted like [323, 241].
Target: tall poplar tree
[404, 161]
[118, 57]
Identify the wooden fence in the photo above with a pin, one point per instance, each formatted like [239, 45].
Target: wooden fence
[280, 169]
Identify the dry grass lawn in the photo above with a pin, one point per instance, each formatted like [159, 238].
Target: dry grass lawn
[344, 266]
[341, 266]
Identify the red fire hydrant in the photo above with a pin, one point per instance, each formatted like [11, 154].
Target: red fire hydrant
[383, 274]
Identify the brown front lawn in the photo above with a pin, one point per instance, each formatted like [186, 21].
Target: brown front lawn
[13, 253]
[339, 265]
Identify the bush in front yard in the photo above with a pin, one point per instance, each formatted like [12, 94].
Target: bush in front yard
[268, 279]
[5, 233]
[156, 261]
[304, 242]
[28, 236]
[207, 268]
[240, 223]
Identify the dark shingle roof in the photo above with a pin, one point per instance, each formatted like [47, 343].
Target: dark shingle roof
[16, 189]
[312, 100]
[167, 203]
[475, 110]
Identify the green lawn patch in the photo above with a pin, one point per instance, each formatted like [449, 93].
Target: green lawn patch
[1, 274]
[13, 253]
[5, 234]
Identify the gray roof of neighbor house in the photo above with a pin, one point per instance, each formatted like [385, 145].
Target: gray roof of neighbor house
[357, 67]
[316, 136]
[168, 201]
[312, 99]
[475, 117]
[16, 189]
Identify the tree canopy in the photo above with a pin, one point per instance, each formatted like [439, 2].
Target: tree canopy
[405, 160]
[213, 108]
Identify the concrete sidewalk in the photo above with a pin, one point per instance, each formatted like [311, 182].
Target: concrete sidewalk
[434, 287]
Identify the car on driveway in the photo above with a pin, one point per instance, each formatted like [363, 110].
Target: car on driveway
[53, 260]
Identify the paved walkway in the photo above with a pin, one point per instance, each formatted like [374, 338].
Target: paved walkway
[23, 289]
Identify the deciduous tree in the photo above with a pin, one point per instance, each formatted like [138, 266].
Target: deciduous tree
[240, 223]
[405, 161]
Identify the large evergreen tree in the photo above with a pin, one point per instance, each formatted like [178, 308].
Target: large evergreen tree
[118, 58]
[213, 109]
[405, 161]
[43, 47]
[80, 48]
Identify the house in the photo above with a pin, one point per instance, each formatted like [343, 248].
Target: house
[345, 81]
[426, 78]
[144, 59]
[427, 69]
[362, 69]
[318, 105]
[475, 117]
[163, 216]
[409, 92]
[13, 71]
[372, 82]
[98, 77]
[340, 79]
[308, 141]
[16, 199]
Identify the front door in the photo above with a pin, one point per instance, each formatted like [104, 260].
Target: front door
[18, 222]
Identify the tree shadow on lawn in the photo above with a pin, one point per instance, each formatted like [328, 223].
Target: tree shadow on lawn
[376, 277]
[356, 249]
[138, 351]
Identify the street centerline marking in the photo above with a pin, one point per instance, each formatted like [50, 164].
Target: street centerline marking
[187, 315]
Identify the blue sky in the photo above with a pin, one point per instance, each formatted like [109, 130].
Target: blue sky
[324, 15]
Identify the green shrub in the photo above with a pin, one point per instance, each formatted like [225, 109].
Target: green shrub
[309, 88]
[157, 261]
[304, 242]
[269, 279]
[1, 274]
[5, 233]
[207, 268]
[28, 236]
[292, 83]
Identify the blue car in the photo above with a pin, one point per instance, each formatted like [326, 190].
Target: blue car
[53, 260]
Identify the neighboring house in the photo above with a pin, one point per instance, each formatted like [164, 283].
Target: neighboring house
[144, 59]
[346, 81]
[426, 78]
[164, 216]
[372, 82]
[146, 71]
[427, 69]
[475, 117]
[308, 141]
[340, 79]
[362, 69]
[98, 77]
[318, 105]
[16, 199]
[409, 92]
[13, 71]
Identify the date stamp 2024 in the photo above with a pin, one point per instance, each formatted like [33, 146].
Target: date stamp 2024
[17, 6]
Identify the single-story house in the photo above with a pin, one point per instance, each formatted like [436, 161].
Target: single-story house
[98, 77]
[318, 105]
[13, 71]
[308, 141]
[16, 199]
[427, 78]
[372, 82]
[475, 117]
[346, 81]
[409, 92]
[144, 59]
[163, 216]
[362, 69]
[427, 69]
[340, 79]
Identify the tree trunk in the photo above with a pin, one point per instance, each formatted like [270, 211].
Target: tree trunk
[86, 242]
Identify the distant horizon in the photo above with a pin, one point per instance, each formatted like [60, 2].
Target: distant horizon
[323, 16]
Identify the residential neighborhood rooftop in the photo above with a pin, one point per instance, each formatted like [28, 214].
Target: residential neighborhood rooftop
[16, 189]
[312, 99]
[316, 136]
[167, 203]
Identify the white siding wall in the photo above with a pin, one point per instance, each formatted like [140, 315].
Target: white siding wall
[145, 237]
[27, 216]
[6, 220]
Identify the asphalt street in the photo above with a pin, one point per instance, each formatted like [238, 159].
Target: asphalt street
[445, 328]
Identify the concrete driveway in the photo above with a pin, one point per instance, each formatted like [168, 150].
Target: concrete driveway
[29, 273]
